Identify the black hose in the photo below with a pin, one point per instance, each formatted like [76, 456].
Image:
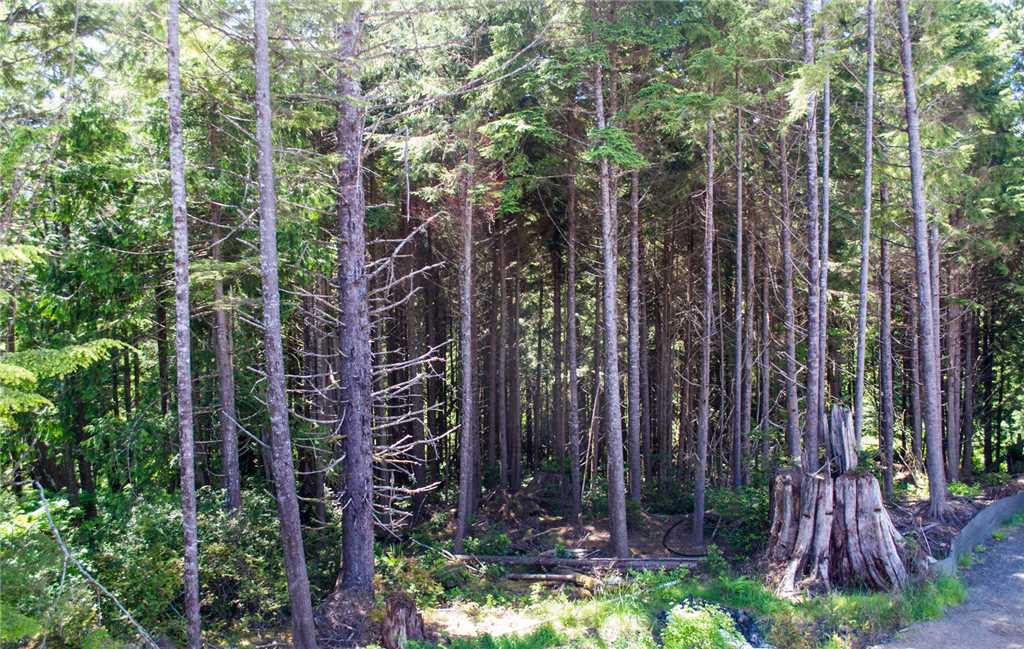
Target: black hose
[664, 542]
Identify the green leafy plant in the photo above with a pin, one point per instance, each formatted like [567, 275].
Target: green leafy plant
[706, 627]
[965, 490]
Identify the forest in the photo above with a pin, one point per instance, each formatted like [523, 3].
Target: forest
[506, 323]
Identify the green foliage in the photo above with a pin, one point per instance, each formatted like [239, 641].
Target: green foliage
[616, 145]
[990, 480]
[133, 548]
[493, 543]
[707, 627]
[965, 490]
[21, 371]
[544, 637]
[744, 513]
[14, 626]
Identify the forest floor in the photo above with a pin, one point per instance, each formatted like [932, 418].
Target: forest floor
[993, 615]
[534, 529]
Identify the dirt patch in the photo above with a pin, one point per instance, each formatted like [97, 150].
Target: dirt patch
[934, 538]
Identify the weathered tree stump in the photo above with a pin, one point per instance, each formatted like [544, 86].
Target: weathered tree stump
[841, 442]
[402, 622]
[833, 532]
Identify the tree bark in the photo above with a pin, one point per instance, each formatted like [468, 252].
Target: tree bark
[793, 440]
[635, 470]
[885, 369]
[515, 418]
[705, 340]
[765, 362]
[493, 342]
[303, 632]
[826, 163]
[355, 370]
[501, 403]
[182, 331]
[927, 328]
[748, 362]
[865, 231]
[222, 354]
[557, 408]
[953, 380]
[575, 505]
[814, 379]
[915, 387]
[967, 429]
[467, 436]
[612, 403]
[737, 377]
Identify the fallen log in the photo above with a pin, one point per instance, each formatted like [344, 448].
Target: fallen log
[592, 563]
[582, 581]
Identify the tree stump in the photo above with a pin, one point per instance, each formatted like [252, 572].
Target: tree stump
[401, 622]
[841, 442]
[833, 532]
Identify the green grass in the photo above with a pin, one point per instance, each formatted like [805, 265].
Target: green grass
[626, 615]
[541, 638]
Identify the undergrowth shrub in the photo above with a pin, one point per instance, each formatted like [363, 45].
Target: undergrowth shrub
[744, 518]
[997, 479]
[706, 627]
[965, 490]
[133, 547]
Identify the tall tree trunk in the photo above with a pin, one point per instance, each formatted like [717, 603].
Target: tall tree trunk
[764, 361]
[515, 400]
[183, 332]
[885, 368]
[415, 335]
[303, 632]
[967, 429]
[915, 387]
[953, 380]
[705, 339]
[737, 377]
[826, 163]
[571, 352]
[865, 229]
[664, 376]
[928, 329]
[793, 441]
[635, 471]
[612, 403]
[493, 342]
[987, 377]
[467, 436]
[558, 410]
[814, 379]
[646, 442]
[355, 361]
[748, 361]
[225, 377]
[501, 405]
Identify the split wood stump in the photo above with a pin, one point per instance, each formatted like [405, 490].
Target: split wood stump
[833, 530]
